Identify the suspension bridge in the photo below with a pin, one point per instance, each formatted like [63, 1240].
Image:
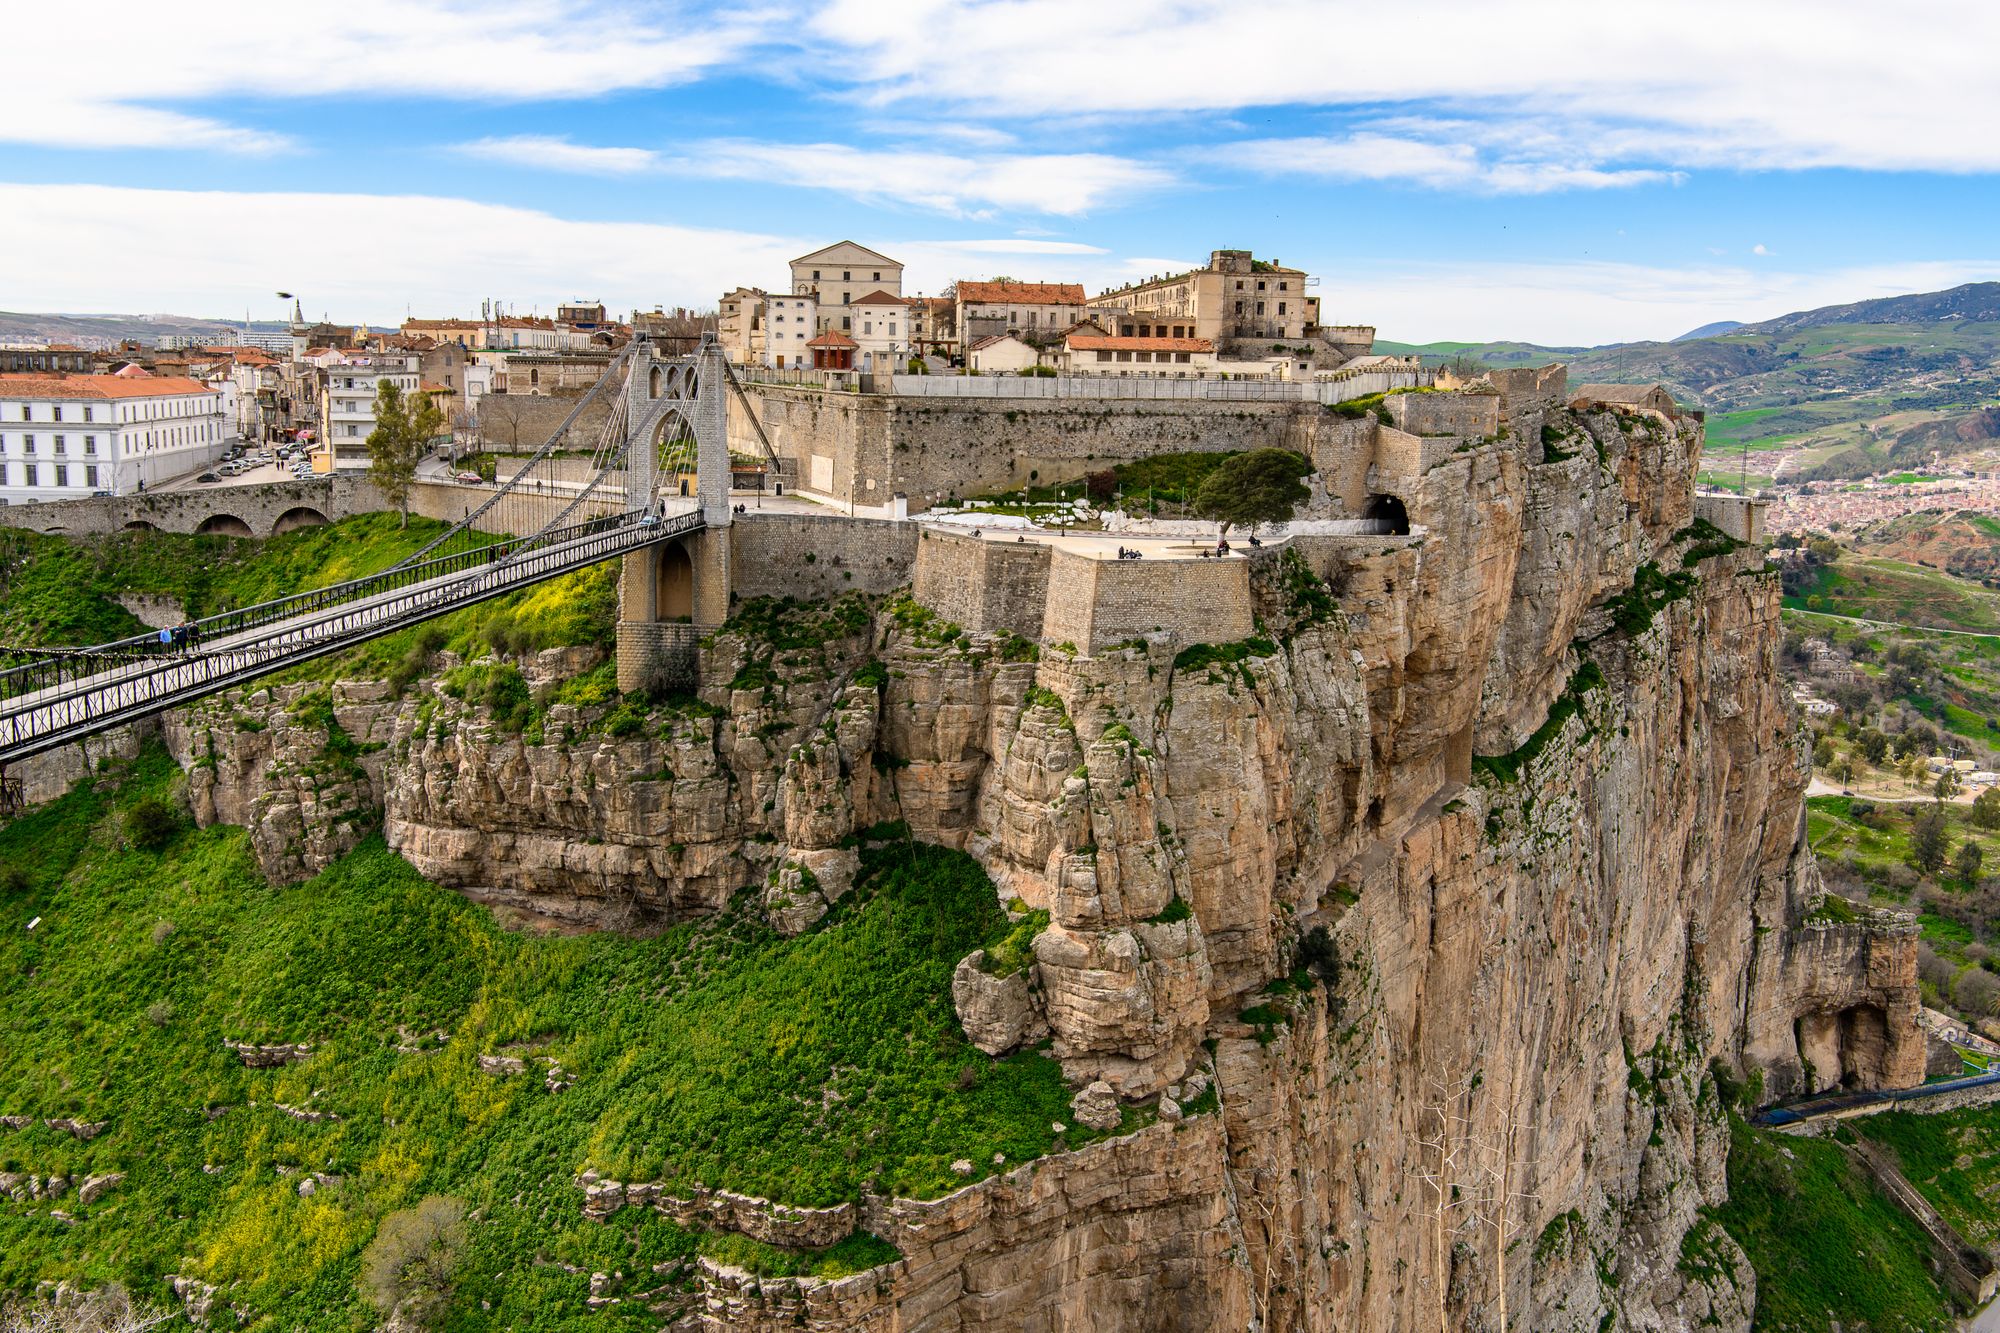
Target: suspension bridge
[656, 479]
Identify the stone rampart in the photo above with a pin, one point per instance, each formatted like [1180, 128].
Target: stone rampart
[1095, 604]
[983, 585]
[1738, 515]
[1474, 415]
[818, 557]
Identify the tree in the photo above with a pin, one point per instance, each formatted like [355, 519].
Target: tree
[1927, 840]
[1823, 753]
[1843, 769]
[1822, 550]
[1976, 991]
[1966, 862]
[1874, 745]
[404, 428]
[1947, 784]
[1986, 809]
[106, 1309]
[406, 1271]
[1261, 486]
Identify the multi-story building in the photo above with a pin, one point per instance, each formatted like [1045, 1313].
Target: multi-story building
[739, 325]
[347, 390]
[58, 359]
[1033, 311]
[1237, 298]
[881, 331]
[509, 333]
[840, 275]
[789, 324]
[62, 436]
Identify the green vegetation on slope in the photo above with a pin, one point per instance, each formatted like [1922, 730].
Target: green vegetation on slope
[720, 1054]
[1877, 588]
[1830, 1251]
[1953, 1159]
[58, 590]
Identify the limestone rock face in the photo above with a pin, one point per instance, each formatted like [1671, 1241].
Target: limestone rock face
[998, 1014]
[1536, 955]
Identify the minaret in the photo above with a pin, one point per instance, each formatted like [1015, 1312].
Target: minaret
[298, 315]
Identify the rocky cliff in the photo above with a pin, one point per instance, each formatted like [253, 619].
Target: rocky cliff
[1419, 919]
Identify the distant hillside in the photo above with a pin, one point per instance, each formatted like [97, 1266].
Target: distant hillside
[1719, 327]
[17, 326]
[1853, 389]
[1963, 543]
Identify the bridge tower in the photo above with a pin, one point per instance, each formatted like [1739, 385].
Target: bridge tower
[671, 594]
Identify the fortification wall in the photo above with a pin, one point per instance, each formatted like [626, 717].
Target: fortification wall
[523, 422]
[1095, 604]
[872, 446]
[1476, 415]
[817, 558]
[983, 585]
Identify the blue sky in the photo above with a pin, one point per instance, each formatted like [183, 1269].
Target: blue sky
[1556, 171]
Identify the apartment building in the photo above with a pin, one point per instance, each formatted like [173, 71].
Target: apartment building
[789, 324]
[64, 436]
[1034, 311]
[840, 275]
[881, 331]
[347, 389]
[1089, 352]
[1237, 298]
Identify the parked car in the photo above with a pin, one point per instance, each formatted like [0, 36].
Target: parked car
[471, 477]
[208, 477]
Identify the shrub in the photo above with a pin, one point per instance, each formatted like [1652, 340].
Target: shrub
[151, 823]
[406, 1271]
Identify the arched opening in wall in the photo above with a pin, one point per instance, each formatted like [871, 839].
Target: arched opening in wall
[141, 525]
[674, 599]
[224, 525]
[674, 446]
[1864, 1046]
[1388, 509]
[655, 378]
[301, 516]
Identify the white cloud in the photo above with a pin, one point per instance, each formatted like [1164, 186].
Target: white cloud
[1780, 84]
[552, 153]
[1759, 250]
[1573, 304]
[1064, 184]
[97, 248]
[1372, 156]
[97, 75]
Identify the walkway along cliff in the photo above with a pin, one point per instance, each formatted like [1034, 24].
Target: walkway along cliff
[1417, 917]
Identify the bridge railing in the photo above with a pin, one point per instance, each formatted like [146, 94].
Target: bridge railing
[52, 668]
[148, 685]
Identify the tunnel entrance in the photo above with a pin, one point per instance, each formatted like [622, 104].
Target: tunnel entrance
[1388, 509]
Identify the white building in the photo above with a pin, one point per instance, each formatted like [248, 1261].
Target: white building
[1141, 358]
[1001, 354]
[789, 324]
[347, 404]
[840, 275]
[881, 331]
[66, 436]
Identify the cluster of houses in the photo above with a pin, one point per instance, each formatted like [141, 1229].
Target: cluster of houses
[844, 309]
[126, 416]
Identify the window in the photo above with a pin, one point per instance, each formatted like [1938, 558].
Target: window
[815, 274]
[57, 409]
[90, 476]
[27, 444]
[846, 276]
[1239, 305]
[1281, 307]
[61, 446]
[1284, 286]
[1104, 356]
[878, 277]
[1260, 307]
[27, 412]
[1260, 284]
[846, 322]
[62, 475]
[1239, 284]
[892, 328]
[846, 298]
[28, 475]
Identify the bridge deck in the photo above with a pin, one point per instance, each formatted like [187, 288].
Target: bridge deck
[63, 713]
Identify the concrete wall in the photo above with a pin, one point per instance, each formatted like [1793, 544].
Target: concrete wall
[523, 422]
[770, 555]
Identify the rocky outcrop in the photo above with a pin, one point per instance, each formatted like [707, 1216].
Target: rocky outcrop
[1418, 919]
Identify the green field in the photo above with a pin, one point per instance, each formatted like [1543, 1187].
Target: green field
[708, 1054]
[1877, 588]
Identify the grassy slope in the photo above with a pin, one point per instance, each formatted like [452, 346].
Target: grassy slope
[1830, 1251]
[1878, 588]
[707, 1054]
[56, 590]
